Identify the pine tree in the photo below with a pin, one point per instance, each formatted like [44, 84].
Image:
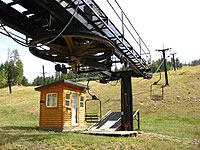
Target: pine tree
[14, 67]
[3, 77]
[24, 81]
[195, 62]
[19, 72]
[37, 81]
[178, 64]
[52, 79]
[11, 72]
[64, 76]
[57, 76]
[70, 75]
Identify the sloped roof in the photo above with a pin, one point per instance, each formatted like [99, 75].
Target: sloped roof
[62, 81]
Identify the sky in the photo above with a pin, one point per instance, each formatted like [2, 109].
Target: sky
[161, 23]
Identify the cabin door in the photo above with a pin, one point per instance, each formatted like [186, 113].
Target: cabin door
[74, 108]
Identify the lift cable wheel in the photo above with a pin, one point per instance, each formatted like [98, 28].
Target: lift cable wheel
[75, 48]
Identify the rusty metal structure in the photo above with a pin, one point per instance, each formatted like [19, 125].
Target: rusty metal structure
[80, 34]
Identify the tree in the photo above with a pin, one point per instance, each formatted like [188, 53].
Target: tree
[11, 72]
[3, 77]
[24, 81]
[195, 62]
[70, 75]
[57, 76]
[64, 76]
[179, 65]
[155, 65]
[34, 83]
[51, 79]
[14, 67]
[38, 81]
[19, 72]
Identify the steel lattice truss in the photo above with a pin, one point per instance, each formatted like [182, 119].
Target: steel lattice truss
[90, 40]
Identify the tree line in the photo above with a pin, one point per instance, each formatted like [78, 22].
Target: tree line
[193, 63]
[71, 76]
[11, 72]
[58, 76]
[170, 65]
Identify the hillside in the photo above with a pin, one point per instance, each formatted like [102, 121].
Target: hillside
[173, 123]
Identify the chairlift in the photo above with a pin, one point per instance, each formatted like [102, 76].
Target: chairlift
[92, 117]
[157, 91]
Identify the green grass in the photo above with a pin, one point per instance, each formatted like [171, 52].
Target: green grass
[27, 138]
[173, 123]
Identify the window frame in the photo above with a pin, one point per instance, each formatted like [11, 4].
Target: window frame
[82, 102]
[70, 101]
[51, 100]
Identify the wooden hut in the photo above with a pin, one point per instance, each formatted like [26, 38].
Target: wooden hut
[62, 106]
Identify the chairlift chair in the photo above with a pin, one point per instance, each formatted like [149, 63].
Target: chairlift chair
[92, 117]
[157, 91]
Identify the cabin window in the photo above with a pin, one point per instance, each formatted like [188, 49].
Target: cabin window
[82, 98]
[67, 100]
[51, 99]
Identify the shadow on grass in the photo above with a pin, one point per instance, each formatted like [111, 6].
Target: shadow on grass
[18, 128]
[17, 134]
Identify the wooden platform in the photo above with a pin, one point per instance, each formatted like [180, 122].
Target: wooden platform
[113, 133]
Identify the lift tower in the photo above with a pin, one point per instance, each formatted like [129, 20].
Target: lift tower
[80, 34]
[165, 64]
[174, 64]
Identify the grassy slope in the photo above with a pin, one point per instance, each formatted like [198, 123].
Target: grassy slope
[173, 123]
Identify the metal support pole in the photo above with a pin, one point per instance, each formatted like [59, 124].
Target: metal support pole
[138, 120]
[165, 67]
[100, 108]
[174, 61]
[43, 74]
[165, 64]
[126, 97]
[126, 102]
